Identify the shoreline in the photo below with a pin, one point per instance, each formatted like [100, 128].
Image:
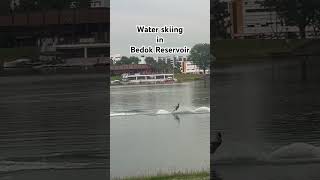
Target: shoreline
[181, 78]
[202, 175]
[27, 74]
[54, 174]
[249, 51]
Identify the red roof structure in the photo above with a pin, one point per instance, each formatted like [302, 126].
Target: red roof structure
[131, 68]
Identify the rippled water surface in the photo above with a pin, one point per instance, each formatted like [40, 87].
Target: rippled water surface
[147, 137]
[270, 122]
[53, 122]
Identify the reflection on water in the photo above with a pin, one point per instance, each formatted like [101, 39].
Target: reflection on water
[270, 121]
[148, 136]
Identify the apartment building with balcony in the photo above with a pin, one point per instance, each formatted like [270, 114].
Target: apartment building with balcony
[249, 19]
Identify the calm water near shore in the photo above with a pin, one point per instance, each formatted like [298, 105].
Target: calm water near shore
[147, 138]
[53, 122]
[270, 123]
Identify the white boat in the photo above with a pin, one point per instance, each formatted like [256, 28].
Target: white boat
[148, 79]
[17, 63]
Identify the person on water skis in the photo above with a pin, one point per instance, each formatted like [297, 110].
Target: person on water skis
[215, 145]
[176, 108]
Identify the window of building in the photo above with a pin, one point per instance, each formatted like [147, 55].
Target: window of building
[159, 77]
[131, 78]
[141, 78]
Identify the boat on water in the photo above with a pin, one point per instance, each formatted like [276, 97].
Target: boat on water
[19, 66]
[145, 79]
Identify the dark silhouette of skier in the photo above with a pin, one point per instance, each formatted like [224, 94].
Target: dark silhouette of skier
[214, 145]
[176, 108]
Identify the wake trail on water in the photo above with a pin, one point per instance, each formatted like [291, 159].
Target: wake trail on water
[122, 114]
[295, 153]
[57, 161]
[200, 110]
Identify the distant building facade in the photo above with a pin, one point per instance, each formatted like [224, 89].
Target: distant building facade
[115, 58]
[88, 25]
[131, 69]
[173, 60]
[59, 34]
[249, 19]
[142, 60]
[166, 59]
[188, 67]
[99, 3]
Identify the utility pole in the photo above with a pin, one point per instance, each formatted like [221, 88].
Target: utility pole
[73, 6]
[174, 63]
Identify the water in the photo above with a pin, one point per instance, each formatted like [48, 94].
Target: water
[53, 122]
[270, 123]
[147, 138]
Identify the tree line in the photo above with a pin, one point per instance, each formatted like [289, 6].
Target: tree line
[159, 66]
[199, 55]
[298, 13]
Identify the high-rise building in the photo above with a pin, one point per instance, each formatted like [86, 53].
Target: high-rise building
[249, 19]
[99, 3]
[115, 58]
[166, 59]
[188, 67]
[142, 59]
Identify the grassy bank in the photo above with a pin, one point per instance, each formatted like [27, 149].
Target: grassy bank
[188, 77]
[9, 54]
[115, 78]
[238, 51]
[180, 77]
[188, 176]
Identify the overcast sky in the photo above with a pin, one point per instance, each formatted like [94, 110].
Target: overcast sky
[193, 15]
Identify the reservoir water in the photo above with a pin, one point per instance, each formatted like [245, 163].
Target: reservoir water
[55, 122]
[269, 119]
[148, 138]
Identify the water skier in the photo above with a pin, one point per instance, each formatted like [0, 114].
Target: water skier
[214, 145]
[176, 108]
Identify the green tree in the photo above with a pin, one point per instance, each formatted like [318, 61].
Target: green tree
[300, 13]
[163, 67]
[126, 60]
[316, 23]
[150, 61]
[200, 55]
[160, 66]
[219, 19]
[123, 60]
[134, 60]
[177, 67]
